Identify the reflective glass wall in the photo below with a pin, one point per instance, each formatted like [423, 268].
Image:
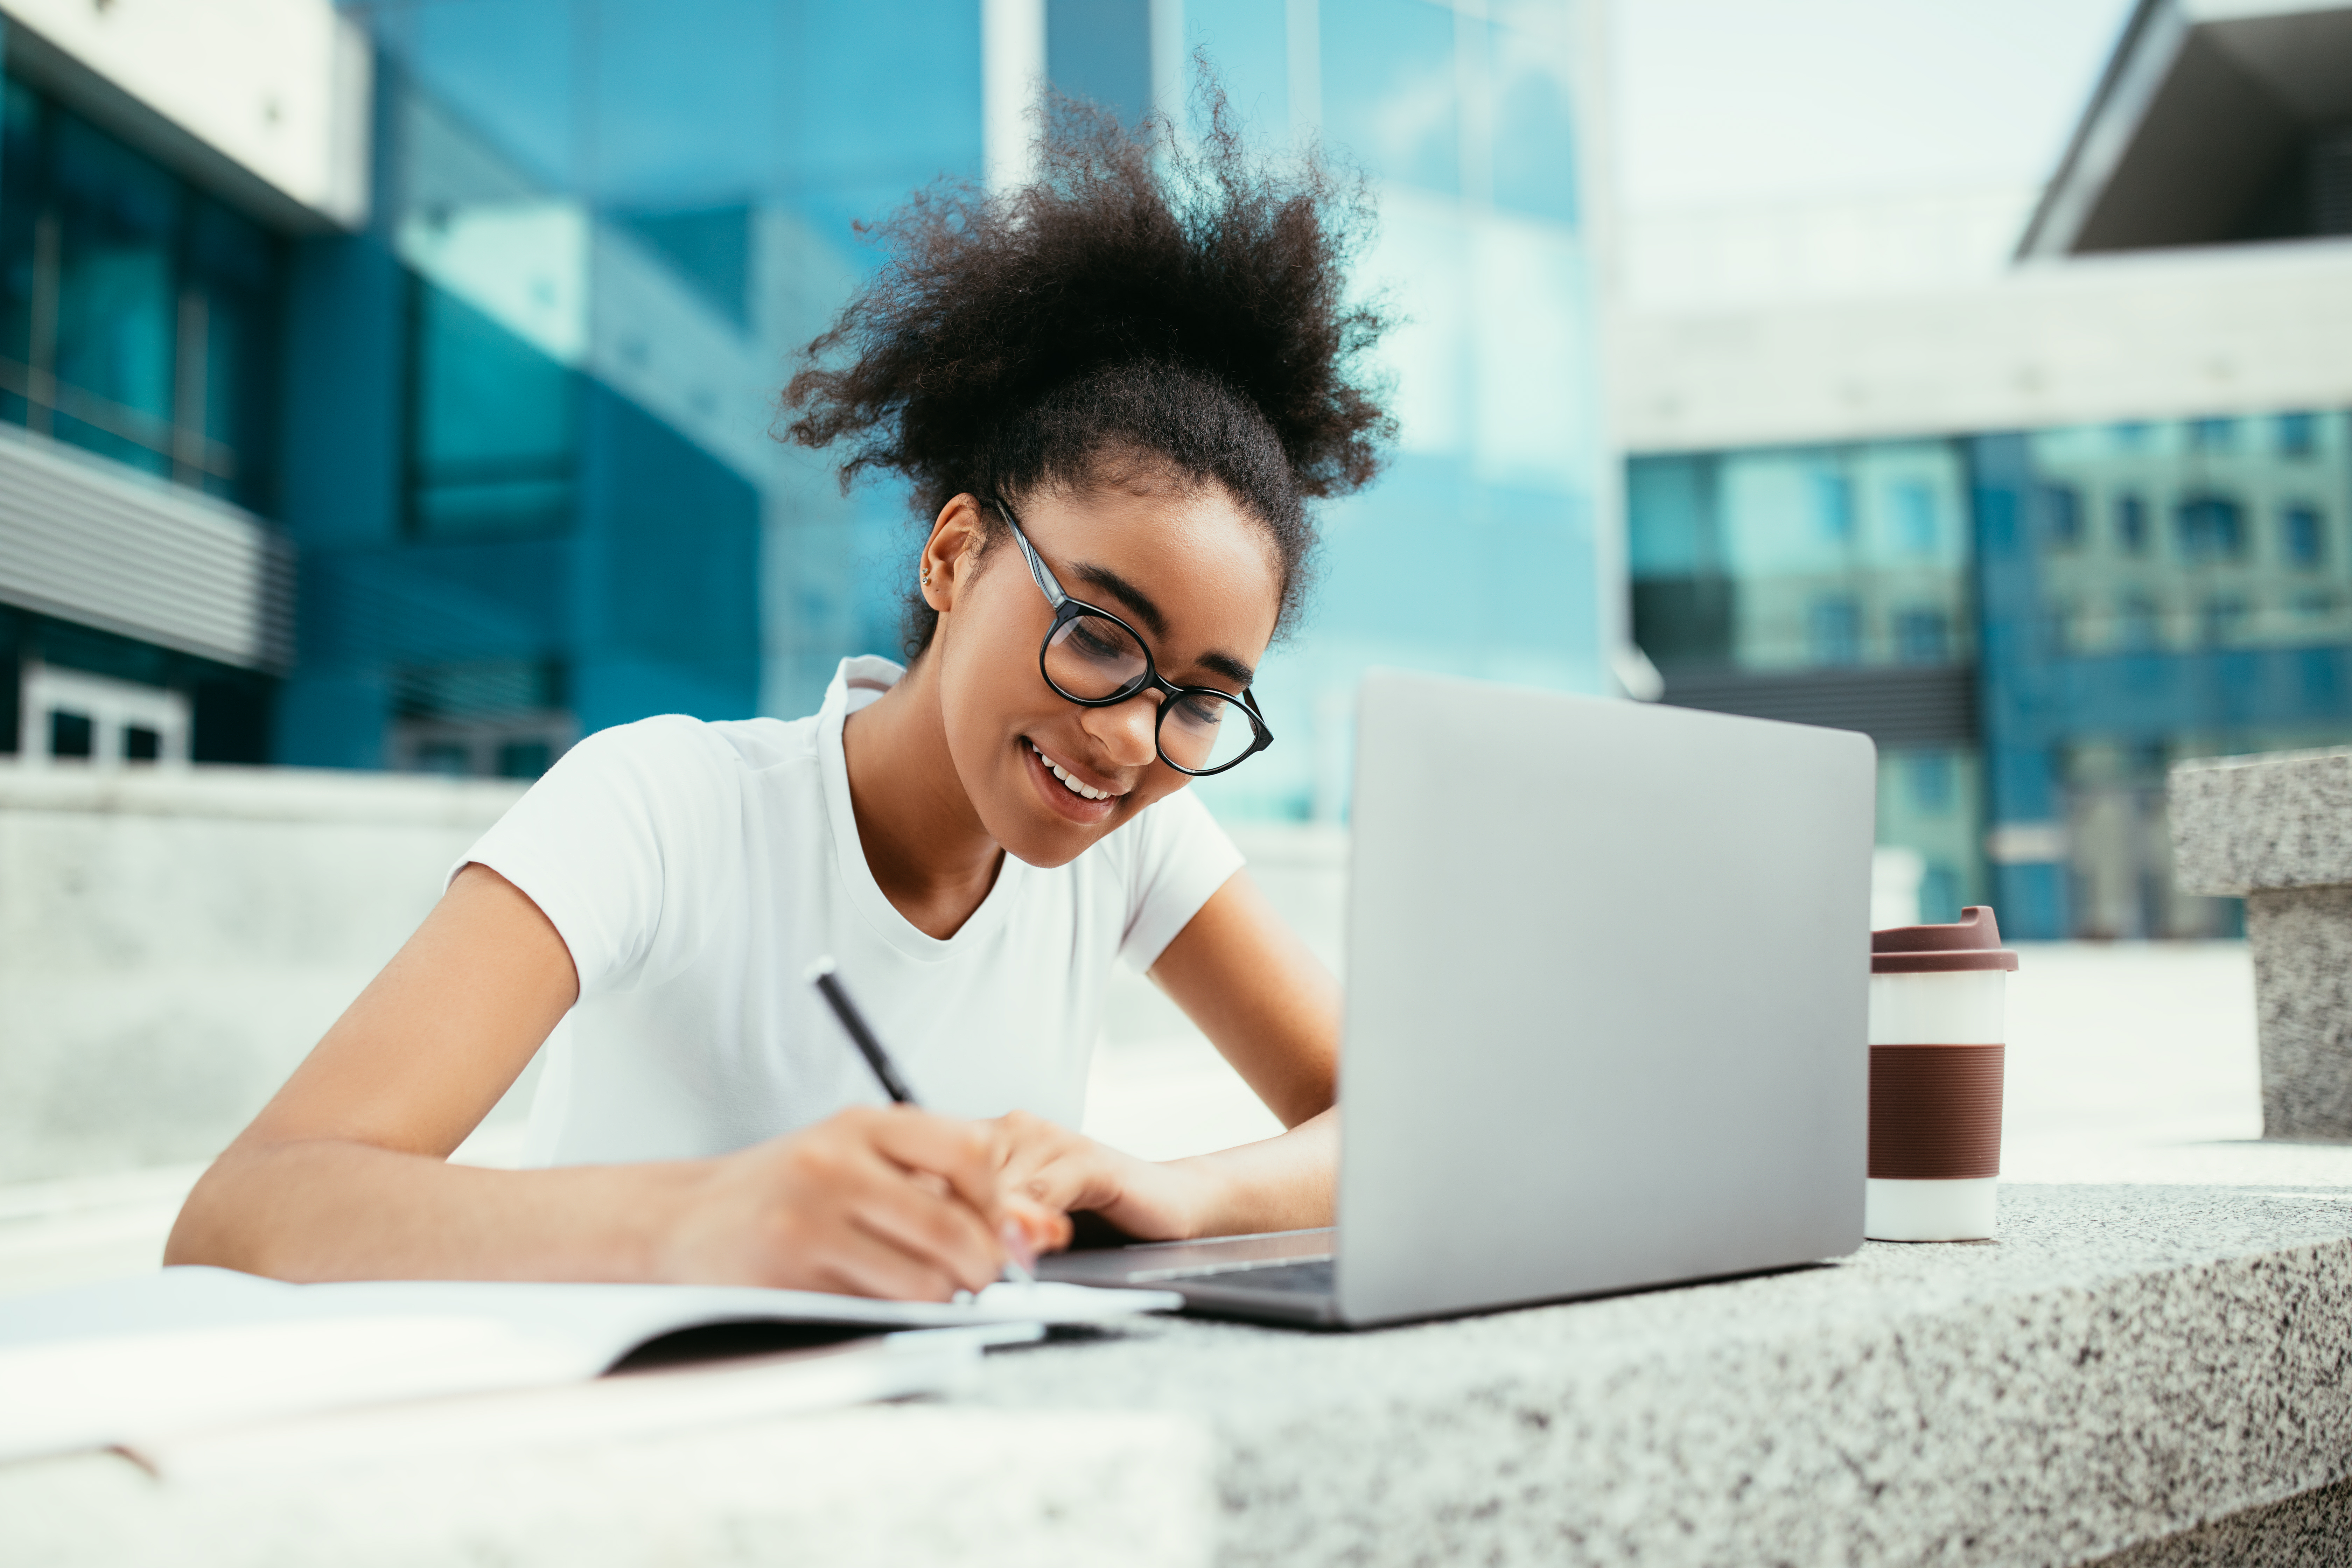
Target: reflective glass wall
[140, 322]
[2153, 591]
[2035, 626]
[1829, 585]
[138, 315]
[530, 454]
[534, 481]
[1475, 553]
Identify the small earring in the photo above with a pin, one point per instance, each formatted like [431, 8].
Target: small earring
[927, 576]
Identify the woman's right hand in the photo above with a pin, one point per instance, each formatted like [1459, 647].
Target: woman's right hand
[871, 1201]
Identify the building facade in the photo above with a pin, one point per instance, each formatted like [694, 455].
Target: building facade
[2045, 537]
[499, 427]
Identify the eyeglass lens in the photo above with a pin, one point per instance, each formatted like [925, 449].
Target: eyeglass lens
[1091, 658]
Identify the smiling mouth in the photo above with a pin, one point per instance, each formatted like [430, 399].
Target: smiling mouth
[1083, 791]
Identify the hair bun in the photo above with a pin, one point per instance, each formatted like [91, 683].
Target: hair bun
[1184, 300]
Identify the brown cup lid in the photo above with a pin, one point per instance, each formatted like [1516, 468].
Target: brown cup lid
[1972, 943]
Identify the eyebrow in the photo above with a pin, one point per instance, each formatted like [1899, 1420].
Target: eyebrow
[1139, 604]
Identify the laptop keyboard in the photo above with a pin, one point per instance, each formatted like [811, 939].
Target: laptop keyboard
[1311, 1279]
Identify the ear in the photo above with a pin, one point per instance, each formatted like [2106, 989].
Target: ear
[952, 552]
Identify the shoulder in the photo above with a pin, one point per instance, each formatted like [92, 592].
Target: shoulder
[673, 776]
[673, 746]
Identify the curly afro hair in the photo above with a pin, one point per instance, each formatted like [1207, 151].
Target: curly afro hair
[1143, 310]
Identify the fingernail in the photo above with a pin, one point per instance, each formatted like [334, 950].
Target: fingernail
[1016, 1242]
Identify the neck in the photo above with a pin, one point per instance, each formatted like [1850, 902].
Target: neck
[925, 846]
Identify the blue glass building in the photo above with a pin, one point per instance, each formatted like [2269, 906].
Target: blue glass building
[514, 429]
[2035, 625]
[2117, 530]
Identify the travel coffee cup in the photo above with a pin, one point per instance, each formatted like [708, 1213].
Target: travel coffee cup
[1937, 1034]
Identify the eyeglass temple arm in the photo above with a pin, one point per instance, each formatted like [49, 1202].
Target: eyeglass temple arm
[1045, 579]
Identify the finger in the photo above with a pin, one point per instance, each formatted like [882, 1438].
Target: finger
[1082, 1177]
[1046, 1229]
[856, 1262]
[968, 1154]
[943, 1231]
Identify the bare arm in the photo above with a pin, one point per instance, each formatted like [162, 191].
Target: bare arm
[343, 1174]
[1272, 1010]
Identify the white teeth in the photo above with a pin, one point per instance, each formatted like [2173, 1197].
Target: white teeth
[1062, 773]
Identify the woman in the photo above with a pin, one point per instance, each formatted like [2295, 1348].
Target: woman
[1112, 394]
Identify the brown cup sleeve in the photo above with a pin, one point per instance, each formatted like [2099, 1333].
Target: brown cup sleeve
[1935, 1112]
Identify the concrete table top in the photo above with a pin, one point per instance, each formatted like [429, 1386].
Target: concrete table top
[2244, 824]
[2126, 1362]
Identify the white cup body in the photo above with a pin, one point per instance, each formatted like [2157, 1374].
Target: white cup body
[1959, 1007]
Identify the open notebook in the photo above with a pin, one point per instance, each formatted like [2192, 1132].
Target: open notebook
[134, 1362]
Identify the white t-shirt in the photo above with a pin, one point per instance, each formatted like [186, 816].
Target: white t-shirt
[695, 871]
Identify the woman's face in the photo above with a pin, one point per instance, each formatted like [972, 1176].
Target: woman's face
[1189, 570]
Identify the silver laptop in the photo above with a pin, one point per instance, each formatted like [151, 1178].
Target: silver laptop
[1607, 977]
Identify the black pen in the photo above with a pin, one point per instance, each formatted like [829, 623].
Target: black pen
[821, 974]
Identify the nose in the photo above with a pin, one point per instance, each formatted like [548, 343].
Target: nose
[1126, 731]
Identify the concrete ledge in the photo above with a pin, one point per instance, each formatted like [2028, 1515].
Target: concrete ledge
[2278, 830]
[2125, 1364]
[2154, 1369]
[919, 1487]
[259, 795]
[2313, 1530]
[173, 940]
[2242, 825]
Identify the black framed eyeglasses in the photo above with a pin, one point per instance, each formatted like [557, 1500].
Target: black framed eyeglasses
[1096, 660]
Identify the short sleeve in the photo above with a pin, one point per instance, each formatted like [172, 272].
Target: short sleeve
[1181, 857]
[599, 842]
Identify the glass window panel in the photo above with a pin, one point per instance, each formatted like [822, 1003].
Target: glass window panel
[1916, 529]
[885, 92]
[709, 248]
[1835, 628]
[1101, 50]
[1931, 777]
[1834, 506]
[1533, 356]
[1535, 126]
[2131, 524]
[1248, 46]
[505, 68]
[2062, 516]
[70, 734]
[524, 759]
[1922, 636]
[2213, 435]
[1939, 895]
[2211, 527]
[2307, 538]
[118, 305]
[237, 271]
[20, 128]
[687, 101]
[1388, 97]
[495, 427]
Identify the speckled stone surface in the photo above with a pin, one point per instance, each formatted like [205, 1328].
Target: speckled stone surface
[2314, 1531]
[2302, 942]
[2280, 820]
[2278, 830]
[910, 1486]
[2124, 1364]
[2159, 1369]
